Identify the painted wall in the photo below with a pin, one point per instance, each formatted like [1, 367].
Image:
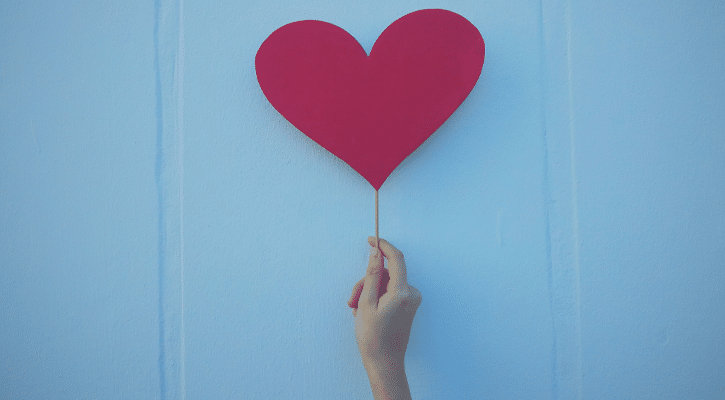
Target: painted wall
[165, 233]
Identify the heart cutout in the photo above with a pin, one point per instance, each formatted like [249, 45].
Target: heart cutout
[371, 111]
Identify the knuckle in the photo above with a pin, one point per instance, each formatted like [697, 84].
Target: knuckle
[413, 296]
[408, 295]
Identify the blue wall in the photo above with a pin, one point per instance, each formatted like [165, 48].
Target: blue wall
[165, 233]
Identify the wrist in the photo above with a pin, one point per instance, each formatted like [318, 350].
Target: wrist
[388, 380]
[384, 364]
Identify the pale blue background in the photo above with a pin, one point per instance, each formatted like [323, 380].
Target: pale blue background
[166, 234]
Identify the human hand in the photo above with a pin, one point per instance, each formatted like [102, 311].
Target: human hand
[384, 306]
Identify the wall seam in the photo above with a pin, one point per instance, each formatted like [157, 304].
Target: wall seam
[547, 224]
[168, 71]
[560, 193]
[575, 201]
[180, 134]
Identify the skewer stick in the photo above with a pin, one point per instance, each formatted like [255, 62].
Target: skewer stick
[377, 237]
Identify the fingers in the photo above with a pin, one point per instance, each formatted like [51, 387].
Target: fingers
[358, 288]
[374, 274]
[396, 263]
[356, 291]
[375, 262]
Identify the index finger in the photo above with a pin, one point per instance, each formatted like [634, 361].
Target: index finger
[396, 262]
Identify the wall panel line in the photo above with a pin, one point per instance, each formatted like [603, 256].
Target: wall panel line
[169, 67]
[561, 197]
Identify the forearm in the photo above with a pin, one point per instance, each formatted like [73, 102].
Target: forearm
[388, 383]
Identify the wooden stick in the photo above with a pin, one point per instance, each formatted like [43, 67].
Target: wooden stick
[377, 236]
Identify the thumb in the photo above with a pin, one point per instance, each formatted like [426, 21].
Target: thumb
[371, 288]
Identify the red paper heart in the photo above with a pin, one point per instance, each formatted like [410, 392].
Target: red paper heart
[371, 111]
